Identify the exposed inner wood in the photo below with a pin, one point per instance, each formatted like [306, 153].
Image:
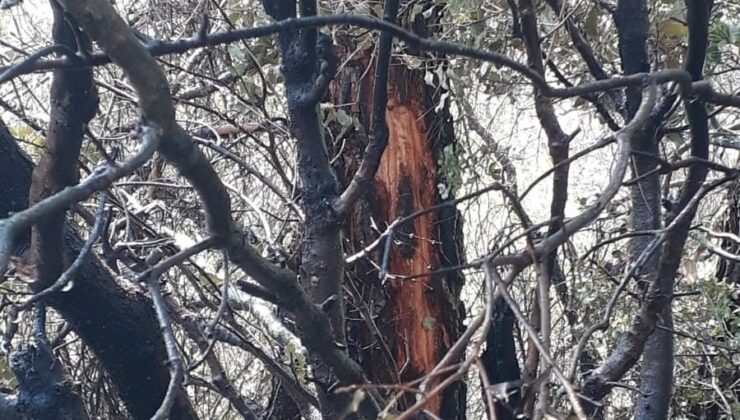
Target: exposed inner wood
[405, 182]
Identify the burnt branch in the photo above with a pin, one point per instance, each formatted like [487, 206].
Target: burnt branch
[27, 64]
[174, 360]
[378, 137]
[65, 280]
[103, 25]
[219, 379]
[558, 143]
[43, 391]
[660, 292]
[119, 327]
[586, 52]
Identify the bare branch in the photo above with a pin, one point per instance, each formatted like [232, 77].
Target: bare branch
[178, 258]
[99, 180]
[572, 395]
[218, 373]
[459, 348]
[177, 373]
[101, 22]
[28, 63]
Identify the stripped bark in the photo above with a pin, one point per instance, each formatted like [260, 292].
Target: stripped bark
[423, 310]
[406, 325]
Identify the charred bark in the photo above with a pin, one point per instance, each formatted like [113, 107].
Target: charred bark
[501, 363]
[308, 65]
[657, 370]
[100, 312]
[655, 305]
[16, 178]
[119, 327]
[102, 23]
[43, 391]
[282, 406]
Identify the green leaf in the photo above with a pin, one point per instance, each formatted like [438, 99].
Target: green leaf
[591, 25]
[343, 118]
[428, 322]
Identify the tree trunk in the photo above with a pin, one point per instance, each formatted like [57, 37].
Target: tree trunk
[657, 368]
[400, 329]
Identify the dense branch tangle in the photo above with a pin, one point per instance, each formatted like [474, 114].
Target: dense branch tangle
[159, 48]
[319, 324]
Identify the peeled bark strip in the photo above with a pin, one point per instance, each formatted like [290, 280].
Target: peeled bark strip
[407, 325]
[422, 312]
[406, 183]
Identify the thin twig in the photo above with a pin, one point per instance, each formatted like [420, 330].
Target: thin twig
[67, 277]
[177, 374]
[722, 235]
[383, 274]
[222, 307]
[459, 348]
[219, 379]
[27, 64]
[486, 385]
[643, 257]
[178, 258]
